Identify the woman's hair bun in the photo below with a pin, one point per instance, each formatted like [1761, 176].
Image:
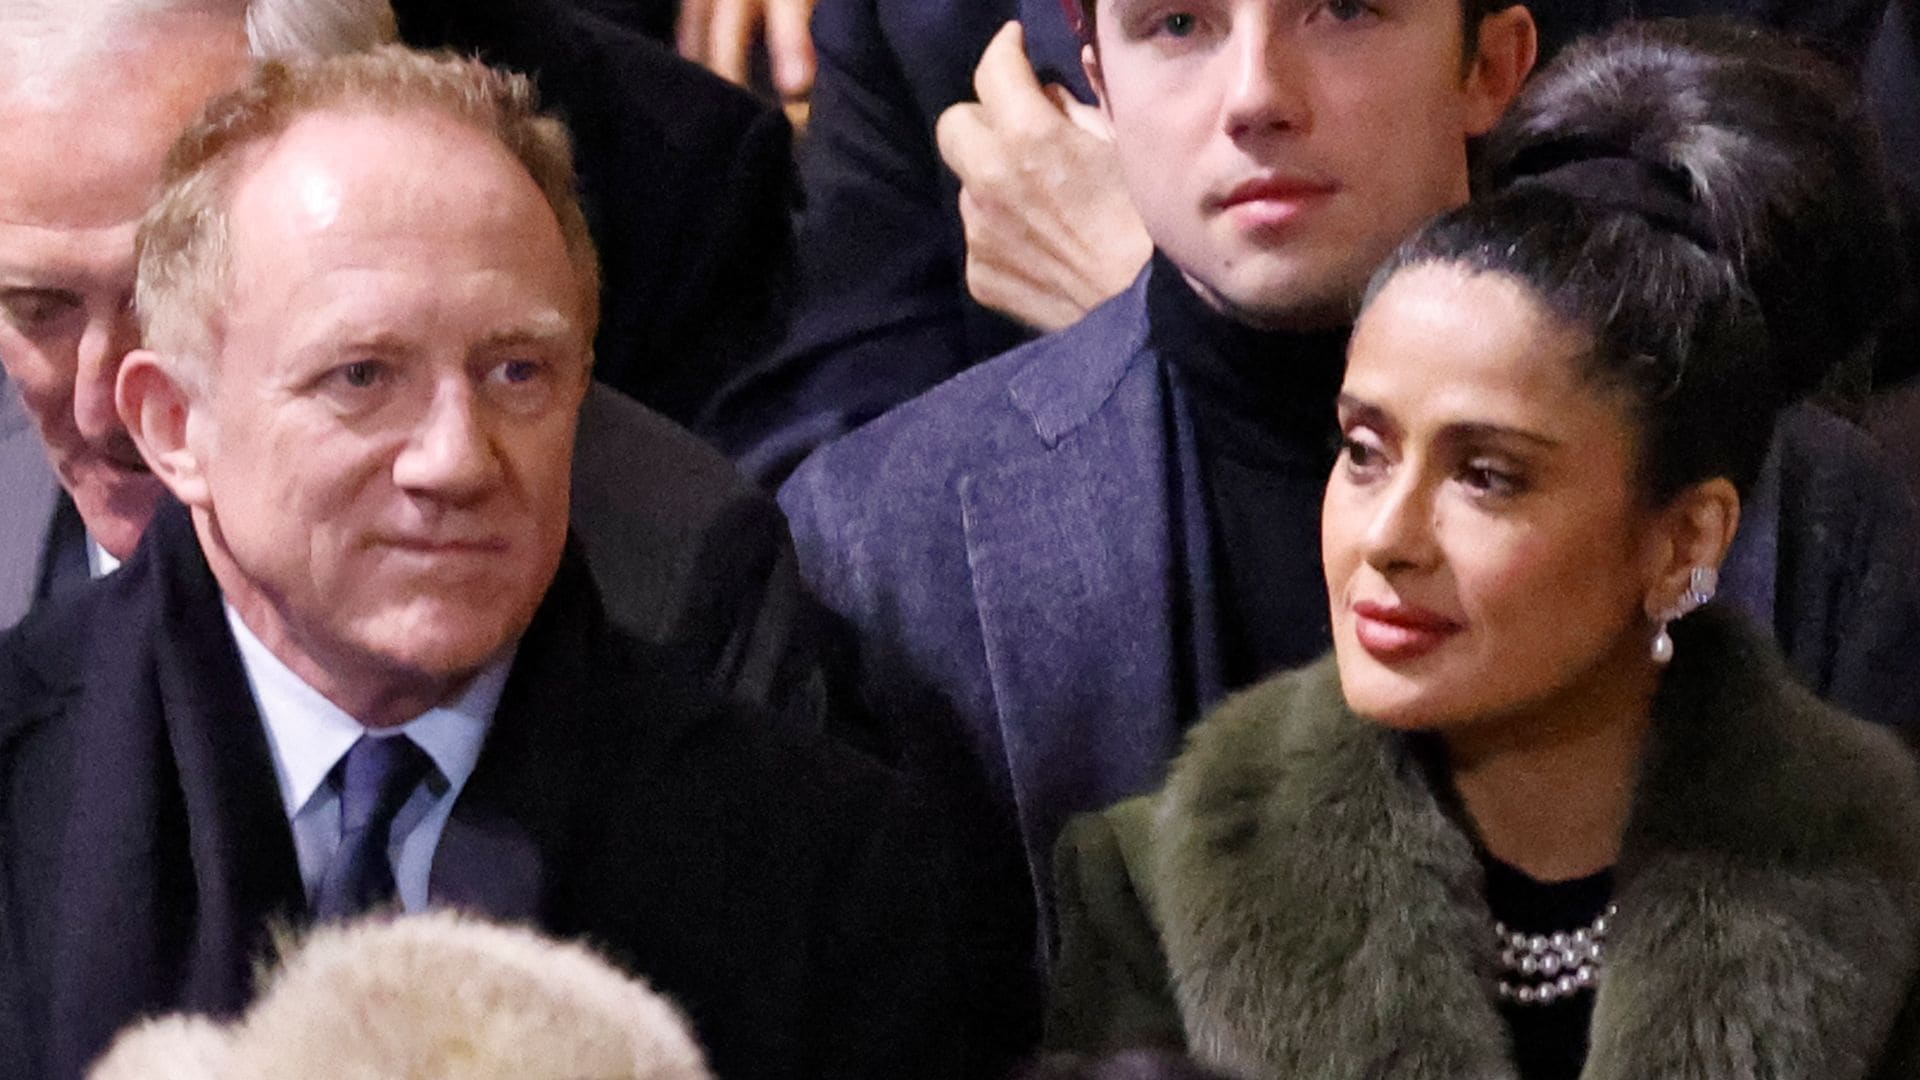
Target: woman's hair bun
[1776, 154]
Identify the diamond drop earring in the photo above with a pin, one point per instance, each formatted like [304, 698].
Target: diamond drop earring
[1702, 584]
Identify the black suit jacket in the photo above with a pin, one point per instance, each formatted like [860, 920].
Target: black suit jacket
[884, 311]
[686, 553]
[688, 184]
[782, 891]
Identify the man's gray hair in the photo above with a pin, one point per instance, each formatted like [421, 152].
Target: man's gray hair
[45, 44]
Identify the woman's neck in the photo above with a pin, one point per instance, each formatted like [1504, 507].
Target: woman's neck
[1549, 791]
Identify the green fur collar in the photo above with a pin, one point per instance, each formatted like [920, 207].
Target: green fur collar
[1323, 917]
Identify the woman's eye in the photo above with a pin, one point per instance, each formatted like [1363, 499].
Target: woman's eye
[1361, 456]
[1180, 24]
[1347, 10]
[1490, 480]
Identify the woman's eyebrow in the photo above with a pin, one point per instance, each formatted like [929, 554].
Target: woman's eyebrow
[1476, 431]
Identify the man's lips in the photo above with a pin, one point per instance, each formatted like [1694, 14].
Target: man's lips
[434, 545]
[1391, 632]
[1272, 200]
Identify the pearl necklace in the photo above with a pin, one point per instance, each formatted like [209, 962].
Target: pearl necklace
[1550, 967]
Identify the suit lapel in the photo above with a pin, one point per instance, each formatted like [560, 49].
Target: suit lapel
[509, 830]
[180, 859]
[31, 491]
[1073, 559]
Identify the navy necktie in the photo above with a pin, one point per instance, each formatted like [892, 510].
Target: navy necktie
[375, 779]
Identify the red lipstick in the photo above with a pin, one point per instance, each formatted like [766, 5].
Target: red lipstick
[1398, 632]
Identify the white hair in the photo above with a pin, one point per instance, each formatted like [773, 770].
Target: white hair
[439, 995]
[49, 48]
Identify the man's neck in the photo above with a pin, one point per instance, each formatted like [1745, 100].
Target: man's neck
[375, 693]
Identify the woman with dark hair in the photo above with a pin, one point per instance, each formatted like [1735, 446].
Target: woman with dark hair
[1544, 812]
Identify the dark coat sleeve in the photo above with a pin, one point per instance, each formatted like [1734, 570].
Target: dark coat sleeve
[14, 1024]
[1110, 986]
[39, 661]
[883, 312]
[687, 181]
[688, 554]
[1848, 604]
[890, 957]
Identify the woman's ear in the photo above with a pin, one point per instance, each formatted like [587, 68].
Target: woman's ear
[1695, 530]
[157, 405]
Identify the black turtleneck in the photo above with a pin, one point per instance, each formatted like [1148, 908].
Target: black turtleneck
[1262, 407]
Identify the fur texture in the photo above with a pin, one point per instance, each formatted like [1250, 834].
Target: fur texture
[1322, 914]
[435, 997]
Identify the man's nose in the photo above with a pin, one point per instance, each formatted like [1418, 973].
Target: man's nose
[1267, 78]
[452, 453]
[108, 338]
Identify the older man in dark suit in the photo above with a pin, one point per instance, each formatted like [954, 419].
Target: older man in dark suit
[357, 664]
[685, 552]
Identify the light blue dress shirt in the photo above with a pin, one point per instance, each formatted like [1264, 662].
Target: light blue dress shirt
[309, 735]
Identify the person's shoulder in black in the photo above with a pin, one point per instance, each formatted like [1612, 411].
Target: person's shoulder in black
[688, 183]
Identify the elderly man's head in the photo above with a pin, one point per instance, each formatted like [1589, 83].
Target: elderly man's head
[92, 93]
[369, 294]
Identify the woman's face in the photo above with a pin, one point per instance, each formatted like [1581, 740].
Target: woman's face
[1487, 553]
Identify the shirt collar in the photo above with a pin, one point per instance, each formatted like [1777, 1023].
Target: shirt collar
[309, 734]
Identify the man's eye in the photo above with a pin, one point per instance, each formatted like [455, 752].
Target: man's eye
[516, 372]
[32, 309]
[362, 374]
[1180, 24]
[1347, 10]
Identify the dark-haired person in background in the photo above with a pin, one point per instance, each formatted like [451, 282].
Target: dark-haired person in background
[1539, 816]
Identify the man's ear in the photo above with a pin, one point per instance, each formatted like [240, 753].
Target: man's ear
[1694, 530]
[1096, 78]
[157, 406]
[1508, 45]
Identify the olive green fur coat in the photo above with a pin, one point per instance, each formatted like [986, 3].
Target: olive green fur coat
[1298, 903]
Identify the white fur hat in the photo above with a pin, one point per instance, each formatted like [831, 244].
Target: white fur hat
[432, 997]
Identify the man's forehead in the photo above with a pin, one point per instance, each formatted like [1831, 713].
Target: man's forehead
[374, 169]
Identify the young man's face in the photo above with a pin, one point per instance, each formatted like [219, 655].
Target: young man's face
[1278, 150]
